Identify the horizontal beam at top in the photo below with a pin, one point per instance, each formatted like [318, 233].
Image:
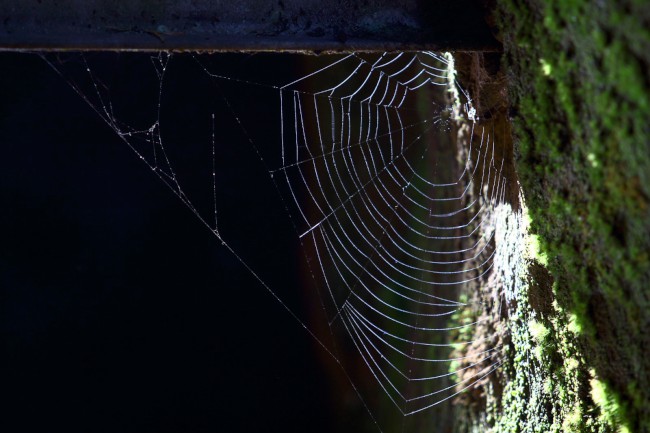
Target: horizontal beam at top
[244, 25]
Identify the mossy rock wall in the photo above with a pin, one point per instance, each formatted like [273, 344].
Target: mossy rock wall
[578, 78]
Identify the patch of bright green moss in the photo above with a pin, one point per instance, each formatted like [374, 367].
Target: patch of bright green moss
[611, 410]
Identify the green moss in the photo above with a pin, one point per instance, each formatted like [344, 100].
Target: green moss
[611, 409]
[535, 251]
[576, 324]
[538, 331]
[547, 69]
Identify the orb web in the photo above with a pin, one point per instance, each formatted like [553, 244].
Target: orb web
[391, 204]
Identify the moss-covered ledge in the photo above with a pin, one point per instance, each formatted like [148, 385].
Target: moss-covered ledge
[579, 89]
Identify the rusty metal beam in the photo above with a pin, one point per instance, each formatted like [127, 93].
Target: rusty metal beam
[244, 25]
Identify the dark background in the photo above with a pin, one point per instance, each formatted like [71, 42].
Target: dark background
[120, 311]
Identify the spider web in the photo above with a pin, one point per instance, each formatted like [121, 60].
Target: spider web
[393, 211]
